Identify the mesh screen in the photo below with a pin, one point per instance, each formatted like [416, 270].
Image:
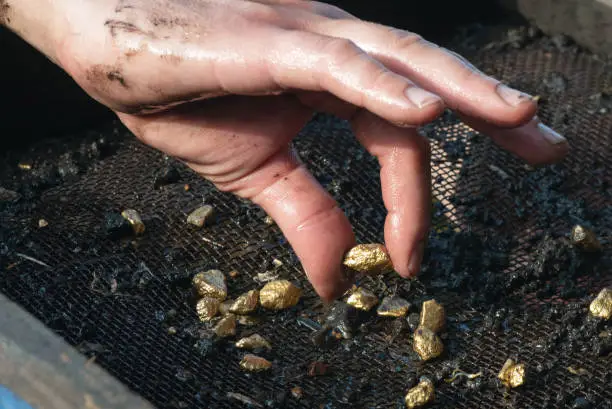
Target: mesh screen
[497, 259]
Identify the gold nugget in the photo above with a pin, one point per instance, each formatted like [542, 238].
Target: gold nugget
[246, 303]
[254, 363]
[279, 294]
[585, 239]
[226, 327]
[201, 216]
[427, 344]
[134, 219]
[207, 308]
[371, 259]
[211, 283]
[433, 316]
[393, 307]
[362, 299]
[512, 374]
[254, 341]
[601, 306]
[420, 395]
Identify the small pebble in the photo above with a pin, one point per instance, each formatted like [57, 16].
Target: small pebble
[8, 195]
[297, 392]
[211, 283]
[317, 368]
[135, 221]
[226, 327]
[393, 307]
[201, 216]
[253, 363]
[585, 239]
[254, 341]
[42, 223]
[362, 299]
[601, 306]
[246, 303]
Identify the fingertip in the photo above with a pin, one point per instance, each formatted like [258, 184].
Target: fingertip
[533, 142]
[519, 107]
[405, 245]
[317, 229]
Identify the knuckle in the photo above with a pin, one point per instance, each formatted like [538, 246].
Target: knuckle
[381, 79]
[340, 49]
[404, 40]
[330, 11]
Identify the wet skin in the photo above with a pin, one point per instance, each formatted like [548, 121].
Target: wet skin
[225, 85]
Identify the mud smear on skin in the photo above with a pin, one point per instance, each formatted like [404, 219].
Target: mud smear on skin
[103, 76]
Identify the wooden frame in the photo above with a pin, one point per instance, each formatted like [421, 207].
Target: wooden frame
[46, 372]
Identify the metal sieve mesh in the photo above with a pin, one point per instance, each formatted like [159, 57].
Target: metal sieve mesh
[510, 286]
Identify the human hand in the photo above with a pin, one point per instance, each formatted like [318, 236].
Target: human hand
[270, 64]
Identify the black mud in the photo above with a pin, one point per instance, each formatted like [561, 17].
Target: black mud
[498, 258]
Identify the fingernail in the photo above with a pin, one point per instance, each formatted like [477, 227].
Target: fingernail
[551, 136]
[414, 263]
[512, 96]
[420, 97]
